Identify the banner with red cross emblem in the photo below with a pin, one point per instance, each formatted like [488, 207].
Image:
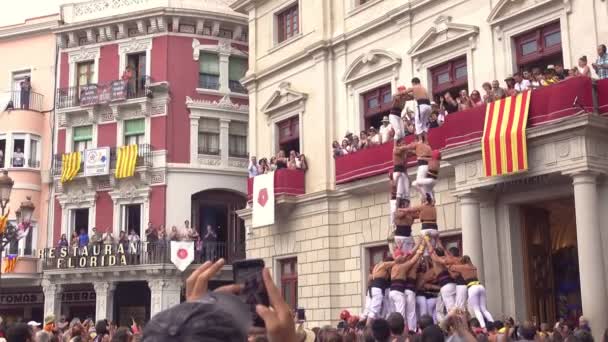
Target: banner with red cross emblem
[263, 200]
[182, 254]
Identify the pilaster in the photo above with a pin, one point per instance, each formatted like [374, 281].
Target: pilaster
[224, 70]
[52, 298]
[224, 140]
[104, 304]
[471, 230]
[164, 293]
[194, 140]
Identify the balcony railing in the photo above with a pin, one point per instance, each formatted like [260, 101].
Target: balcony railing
[237, 87]
[144, 156]
[58, 164]
[126, 255]
[26, 263]
[103, 93]
[25, 100]
[209, 151]
[286, 182]
[547, 104]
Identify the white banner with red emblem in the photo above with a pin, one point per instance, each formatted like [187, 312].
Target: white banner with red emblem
[263, 200]
[182, 254]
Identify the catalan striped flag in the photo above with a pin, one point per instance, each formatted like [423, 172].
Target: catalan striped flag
[70, 166]
[10, 261]
[4, 222]
[127, 160]
[503, 146]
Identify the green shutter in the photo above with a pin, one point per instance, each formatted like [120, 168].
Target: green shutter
[237, 68]
[209, 64]
[83, 133]
[135, 127]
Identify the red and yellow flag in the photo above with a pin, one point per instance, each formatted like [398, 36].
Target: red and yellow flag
[126, 161]
[70, 166]
[10, 261]
[503, 146]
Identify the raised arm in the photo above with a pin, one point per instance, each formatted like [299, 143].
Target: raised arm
[459, 268]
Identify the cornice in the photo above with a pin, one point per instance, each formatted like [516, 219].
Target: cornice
[28, 29]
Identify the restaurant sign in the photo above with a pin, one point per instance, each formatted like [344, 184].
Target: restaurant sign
[38, 298]
[88, 256]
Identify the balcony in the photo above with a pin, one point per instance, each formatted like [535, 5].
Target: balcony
[547, 105]
[286, 183]
[23, 101]
[237, 87]
[26, 265]
[144, 159]
[102, 93]
[134, 254]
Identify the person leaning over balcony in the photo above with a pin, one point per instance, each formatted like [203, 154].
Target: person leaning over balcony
[336, 149]
[448, 104]
[385, 129]
[83, 238]
[127, 77]
[253, 167]
[374, 137]
[301, 163]
[521, 84]
[582, 67]
[601, 64]
[510, 82]
[281, 160]
[18, 158]
[26, 88]
[363, 141]
[63, 241]
[476, 99]
[291, 162]
[464, 101]
[489, 93]
[497, 91]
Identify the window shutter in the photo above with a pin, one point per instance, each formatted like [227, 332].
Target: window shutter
[238, 128]
[135, 127]
[209, 63]
[83, 133]
[237, 68]
[209, 125]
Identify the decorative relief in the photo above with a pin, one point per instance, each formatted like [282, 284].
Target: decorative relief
[471, 169]
[224, 103]
[103, 185]
[209, 161]
[61, 119]
[106, 117]
[224, 46]
[563, 149]
[158, 109]
[92, 7]
[83, 54]
[157, 177]
[237, 163]
[135, 45]
[79, 120]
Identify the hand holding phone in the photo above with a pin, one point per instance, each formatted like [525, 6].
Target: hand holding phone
[248, 276]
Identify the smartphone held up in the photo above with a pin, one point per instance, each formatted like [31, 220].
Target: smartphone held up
[248, 274]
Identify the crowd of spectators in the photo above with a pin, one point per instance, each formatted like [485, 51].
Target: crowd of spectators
[295, 161]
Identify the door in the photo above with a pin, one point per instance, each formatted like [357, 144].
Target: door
[538, 265]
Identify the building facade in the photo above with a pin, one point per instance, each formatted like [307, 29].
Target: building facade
[338, 62]
[160, 77]
[28, 51]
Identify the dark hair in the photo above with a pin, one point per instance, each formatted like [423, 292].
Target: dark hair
[415, 80]
[603, 47]
[101, 327]
[474, 323]
[556, 337]
[439, 252]
[583, 335]
[432, 334]
[121, 335]
[381, 330]
[388, 257]
[425, 321]
[516, 74]
[19, 332]
[583, 58]
[498, 325]
[527, 331]
[454, 251]
[396, 323]
[466, 260]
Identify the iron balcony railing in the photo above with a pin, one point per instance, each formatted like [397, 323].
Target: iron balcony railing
[25, 100]
[128, 254]
[102, 93]
[144, 156]
[58, 164]
[209, 82]
[22, 162]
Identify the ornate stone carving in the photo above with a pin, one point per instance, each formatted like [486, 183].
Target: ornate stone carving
[224, 46]
[83, 54]
[210, 161]
[135, 45]
[106, 117]
[471, 169]
[563, 149]
[224, 103]
[103, 185]
[158, 109]
[240, 163]
[157, 177]
[91, 7]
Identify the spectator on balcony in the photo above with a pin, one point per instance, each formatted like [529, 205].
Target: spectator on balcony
[573, 73]
[385, 130]
[252, 169]
[373, 136]
[345, 147]
[174, 234]
[560, 73]
[210, 243]
[264, 167]
[601, 64]
[123, 240]
[510, 82]
[536, 80]
[337, 149]
[476, 99]
[1, 159]
[464, 101]
[489, 94]
[127, 77]
[363, 140]
[63, 241]
[18, 158]
[497, 91]
[108, 238]
[291, 163]
[74, 240]
[521, 84]
[273, 164]
[83, 239]
[301, 163]
[26, 88]
[582, 67]
[97, 238]
[448, 103]
[281, 160]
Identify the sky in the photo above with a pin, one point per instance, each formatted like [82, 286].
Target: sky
[16, 11]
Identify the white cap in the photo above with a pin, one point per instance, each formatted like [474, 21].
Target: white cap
[34, 324]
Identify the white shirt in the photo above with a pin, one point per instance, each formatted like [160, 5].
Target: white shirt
[384, 133]
[376, 139]
[253, 169]
[523, 86]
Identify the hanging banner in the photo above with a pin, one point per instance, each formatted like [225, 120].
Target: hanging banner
[263, 200]
[182, 254]
[97, 161]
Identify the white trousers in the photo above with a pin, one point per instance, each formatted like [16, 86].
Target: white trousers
[387, 305]
[420, 175]
[426, 306]
[423, 183]
[392, 204]
[423, 113]
[477, 302]
[448, 295]
[403, 185]
[410, 310]
[397, 301]
[368, 303]
[375, 305]
[461, 296]
[397, 125]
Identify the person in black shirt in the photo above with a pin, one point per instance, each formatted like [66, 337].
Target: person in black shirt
[448, 103]
[210, 243]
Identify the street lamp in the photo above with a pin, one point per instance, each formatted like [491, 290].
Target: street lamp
[6, 186]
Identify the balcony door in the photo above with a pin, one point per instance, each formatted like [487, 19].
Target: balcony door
[79, 220]
[137, 62]
[131, 218]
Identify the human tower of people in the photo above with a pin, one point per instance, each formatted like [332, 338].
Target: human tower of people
[421, 276]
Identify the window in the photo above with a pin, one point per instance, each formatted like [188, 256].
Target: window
[135, 132]
[20, 98]
[289, 281]
[85, 73]
[79, 220]
[450, 77]
[238, 139]
[209, 73]
[376, 104]
[452, 242]
[209, 136]
[376, 255]
[34, 158]
[539, 47]
[225, 33]
[83, 138]
[236, 70]
[131, 218]
[24, 245]
[137, 84]
[289, 135]
[2, 151]
[18, 159]
[288, 23]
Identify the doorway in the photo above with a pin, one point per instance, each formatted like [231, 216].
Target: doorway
[80, 220]
[131, 218]
[137, 62]
[132, 300]
[551, 262]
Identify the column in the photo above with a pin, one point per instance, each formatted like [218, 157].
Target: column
[52, 298]
[194, 141]
[590, 260]
[164, 293]
[224, 140]
[224, 70]
[104, 299]
[471, 231]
